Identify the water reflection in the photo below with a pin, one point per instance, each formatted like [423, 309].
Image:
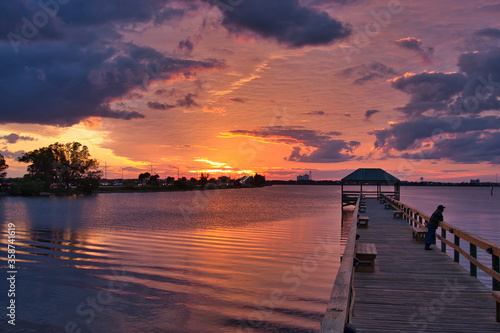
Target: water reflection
[207, 274]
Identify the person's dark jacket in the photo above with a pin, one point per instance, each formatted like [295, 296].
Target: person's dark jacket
[436, 217]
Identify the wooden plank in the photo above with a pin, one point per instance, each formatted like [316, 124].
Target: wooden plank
[473, 239]
[408, 284]
[337, 311]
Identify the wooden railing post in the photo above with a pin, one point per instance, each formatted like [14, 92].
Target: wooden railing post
[473, 253]
[443, 244]
[415, 217]
[456, 253]
[495, 264]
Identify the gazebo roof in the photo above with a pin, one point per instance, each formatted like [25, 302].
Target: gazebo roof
[371, 176]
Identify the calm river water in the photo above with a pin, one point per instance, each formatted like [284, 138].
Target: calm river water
[238, 260]
[247, 260]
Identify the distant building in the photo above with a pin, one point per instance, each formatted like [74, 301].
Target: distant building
[475, 181]
[304, 177]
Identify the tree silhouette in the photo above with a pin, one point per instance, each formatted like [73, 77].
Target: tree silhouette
[259, 180]
[65, 164]
[144, 176]
[3, 167]
[153, 180]
[203, 180]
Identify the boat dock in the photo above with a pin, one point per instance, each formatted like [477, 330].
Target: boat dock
[387, 282]
[413, 290]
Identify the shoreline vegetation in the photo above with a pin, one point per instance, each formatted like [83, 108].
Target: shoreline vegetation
[38, 188]
[68, 169]
[19, 186]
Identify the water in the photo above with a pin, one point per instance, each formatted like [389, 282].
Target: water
[238, 260]
[472, 209]
[247, 260]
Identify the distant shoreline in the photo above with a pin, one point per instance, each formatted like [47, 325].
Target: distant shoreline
[146, 189]
[403, 183]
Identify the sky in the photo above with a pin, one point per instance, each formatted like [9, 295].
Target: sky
[234, 87]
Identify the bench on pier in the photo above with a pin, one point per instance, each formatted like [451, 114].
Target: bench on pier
[362, 209]
[397, 214]
[419, 233]
[496, 296]
[366, 254]
[363, 221]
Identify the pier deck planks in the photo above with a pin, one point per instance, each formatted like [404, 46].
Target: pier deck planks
[410, 284]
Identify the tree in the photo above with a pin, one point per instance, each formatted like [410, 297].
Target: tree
[143, 177]
[259, 180]
[203, 180]
[65, 164]
[153, 180]
[3, 167]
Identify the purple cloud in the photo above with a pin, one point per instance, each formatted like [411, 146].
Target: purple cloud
[302, 141]
[285, 21]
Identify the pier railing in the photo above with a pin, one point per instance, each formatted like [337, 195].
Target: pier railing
[417, 219]
[341, 303]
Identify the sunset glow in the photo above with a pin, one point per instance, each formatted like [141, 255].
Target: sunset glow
[187, 87]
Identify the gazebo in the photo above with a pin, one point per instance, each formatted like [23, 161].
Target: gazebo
[369, 177]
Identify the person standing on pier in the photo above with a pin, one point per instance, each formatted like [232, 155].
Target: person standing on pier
[432, 225]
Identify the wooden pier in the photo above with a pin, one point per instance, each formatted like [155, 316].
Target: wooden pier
[410, 290]
[413, 290]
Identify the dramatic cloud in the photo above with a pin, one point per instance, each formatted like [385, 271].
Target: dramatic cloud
[66, 83]
[237, 100]
[326, 2]
[76, 65]
[370, 113]
[410, 43]
[14, 138]
[333, 151]
[450, 112]
[473, 148]
[307, 145]
[415, 44]
[186, 46]
[405, 135]
[482, 90]
[429, 90]
[315, 113]
[188, 101]
[488, 32]
[285, 21]
[475, 89]
[160, 106]
[85, 13]
[12, 155]
[370, 72]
